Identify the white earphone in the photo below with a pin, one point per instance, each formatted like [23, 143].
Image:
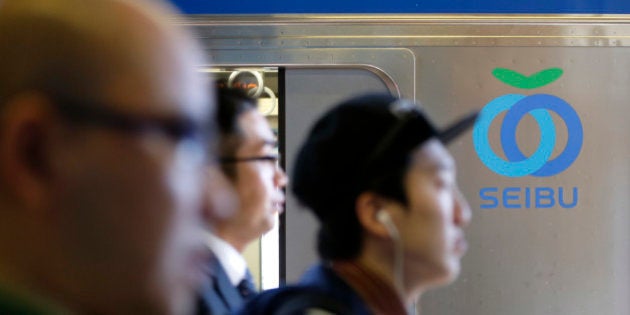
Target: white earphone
[398, 268]
[384, 217]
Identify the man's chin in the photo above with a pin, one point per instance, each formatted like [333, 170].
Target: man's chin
[448, 273]
[452, 272]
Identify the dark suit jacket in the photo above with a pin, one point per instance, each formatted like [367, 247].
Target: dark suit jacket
[15, 302]
[320, 288]
[218, 296]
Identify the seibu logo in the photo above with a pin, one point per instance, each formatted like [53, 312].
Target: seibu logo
[539, 164]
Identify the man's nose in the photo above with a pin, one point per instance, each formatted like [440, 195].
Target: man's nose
[463, 214]
[280, 179]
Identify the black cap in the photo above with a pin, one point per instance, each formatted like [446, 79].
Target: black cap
[359, 141]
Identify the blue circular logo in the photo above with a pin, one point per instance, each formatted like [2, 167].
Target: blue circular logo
[538, 106]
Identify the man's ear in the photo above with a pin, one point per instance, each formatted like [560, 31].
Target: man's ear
[368, 205]
[25, 133]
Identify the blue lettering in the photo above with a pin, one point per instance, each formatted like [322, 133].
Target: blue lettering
[527, 194]
[542, 194]
[484, 195]
[511, 193]
[528, 197]
[561, 198]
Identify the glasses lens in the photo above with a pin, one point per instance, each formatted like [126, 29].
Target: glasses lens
[269, 158]
[94, 113]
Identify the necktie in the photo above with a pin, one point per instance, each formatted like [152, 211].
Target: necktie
[246, 287]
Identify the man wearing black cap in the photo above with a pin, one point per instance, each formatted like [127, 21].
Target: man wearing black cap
[377, 176]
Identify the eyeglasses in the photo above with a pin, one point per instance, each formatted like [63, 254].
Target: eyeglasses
[95, 113]
[269, 158]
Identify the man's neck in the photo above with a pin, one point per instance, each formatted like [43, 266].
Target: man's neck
[374, 287]
[234, 239]
[381, 261]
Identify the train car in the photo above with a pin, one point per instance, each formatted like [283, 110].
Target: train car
[550, 231]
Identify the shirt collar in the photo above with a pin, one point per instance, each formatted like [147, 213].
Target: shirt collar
[232, 261]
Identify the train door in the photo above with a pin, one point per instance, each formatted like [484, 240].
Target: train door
[291, 97]
[309, 93]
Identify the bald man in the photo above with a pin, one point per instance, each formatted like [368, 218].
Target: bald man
[102, 152]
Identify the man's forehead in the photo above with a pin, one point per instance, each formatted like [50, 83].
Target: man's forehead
[153, 65]
[255, 125]
[433, 155]
[95, 18]
[162, 75]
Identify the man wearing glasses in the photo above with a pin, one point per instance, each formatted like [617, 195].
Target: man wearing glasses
[103, 142]
[249, 159]
[376, 174]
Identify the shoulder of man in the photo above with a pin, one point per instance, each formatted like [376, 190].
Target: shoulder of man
[18, 302]
[297, 299]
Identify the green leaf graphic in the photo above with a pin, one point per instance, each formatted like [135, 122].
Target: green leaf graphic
[518, 80]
